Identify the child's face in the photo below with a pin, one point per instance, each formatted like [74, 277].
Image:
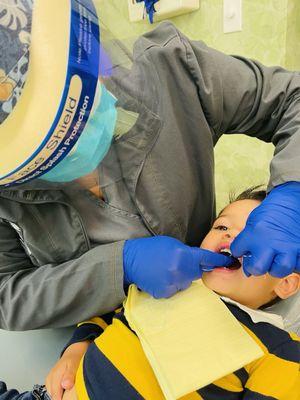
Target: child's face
[254, 291]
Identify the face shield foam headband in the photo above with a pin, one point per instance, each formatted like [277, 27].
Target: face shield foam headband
[63, 123]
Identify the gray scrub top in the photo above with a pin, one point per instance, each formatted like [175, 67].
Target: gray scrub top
[116, 217]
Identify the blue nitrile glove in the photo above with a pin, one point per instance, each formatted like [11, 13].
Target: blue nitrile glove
[270, 241]
[161, 265]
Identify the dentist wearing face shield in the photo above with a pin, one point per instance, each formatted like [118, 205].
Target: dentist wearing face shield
[107, 169]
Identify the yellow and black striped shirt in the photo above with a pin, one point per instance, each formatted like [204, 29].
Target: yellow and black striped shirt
[116, 368]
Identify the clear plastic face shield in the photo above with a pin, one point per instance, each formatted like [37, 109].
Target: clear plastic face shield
[68, 92]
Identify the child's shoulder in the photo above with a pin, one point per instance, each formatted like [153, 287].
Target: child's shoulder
[275, 340]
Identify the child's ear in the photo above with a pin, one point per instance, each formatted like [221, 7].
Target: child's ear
[288, 286]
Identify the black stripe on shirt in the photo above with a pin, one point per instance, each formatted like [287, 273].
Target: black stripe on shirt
[214, 392]
[277, 341]
[243, 376]
[103, 380]
[121, 317]
[107, 318]
[84, 332]
[249, 395]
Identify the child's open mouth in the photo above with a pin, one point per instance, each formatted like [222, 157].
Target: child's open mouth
[236, 263]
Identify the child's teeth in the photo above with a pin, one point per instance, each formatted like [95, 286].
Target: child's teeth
[225, 251]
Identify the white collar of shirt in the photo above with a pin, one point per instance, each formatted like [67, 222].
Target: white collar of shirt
[258, 315]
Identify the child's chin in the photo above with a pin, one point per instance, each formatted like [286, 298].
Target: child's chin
[215, 285]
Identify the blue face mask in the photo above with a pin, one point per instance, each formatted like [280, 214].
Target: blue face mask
[92, 145]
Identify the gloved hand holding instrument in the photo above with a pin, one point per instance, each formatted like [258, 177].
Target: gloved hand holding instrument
[270, 242]
[162, 265]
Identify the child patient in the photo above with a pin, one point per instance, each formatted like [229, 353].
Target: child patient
[115, 367]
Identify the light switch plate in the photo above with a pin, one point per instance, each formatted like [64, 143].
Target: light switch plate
[232, 15]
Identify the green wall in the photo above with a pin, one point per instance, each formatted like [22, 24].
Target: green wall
[271, 34]
[293, 35]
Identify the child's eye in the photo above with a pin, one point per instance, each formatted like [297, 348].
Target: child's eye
[220, 227]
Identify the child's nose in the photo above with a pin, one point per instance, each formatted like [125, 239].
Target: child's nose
[229, 234]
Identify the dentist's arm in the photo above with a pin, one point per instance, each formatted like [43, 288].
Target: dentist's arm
[240, 95]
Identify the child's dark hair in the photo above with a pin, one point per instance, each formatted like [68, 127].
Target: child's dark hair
[252, 193]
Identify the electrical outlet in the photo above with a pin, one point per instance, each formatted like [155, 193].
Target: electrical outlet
[164, 9]
[232, 16]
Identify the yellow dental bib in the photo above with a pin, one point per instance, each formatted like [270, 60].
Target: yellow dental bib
[190, 340]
